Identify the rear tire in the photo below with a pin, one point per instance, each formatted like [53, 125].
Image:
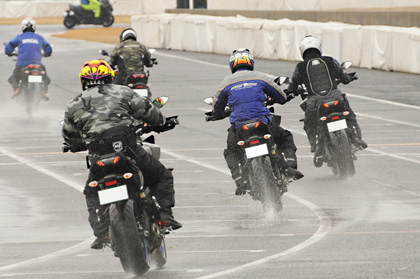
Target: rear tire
[131, 247]
[342, 154]
[108, 20]
[264, 182]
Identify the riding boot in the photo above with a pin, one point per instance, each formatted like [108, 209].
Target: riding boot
[356, 137]
[100, 226]
[291, 163]
[319, 153]
[167, 219]
[16, 93]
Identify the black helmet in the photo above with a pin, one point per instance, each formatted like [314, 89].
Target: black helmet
[128, 33]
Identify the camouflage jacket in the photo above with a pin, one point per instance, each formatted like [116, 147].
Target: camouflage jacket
[102, 107]
[131, 56]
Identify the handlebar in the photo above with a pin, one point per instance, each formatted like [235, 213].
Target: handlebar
[170, 124]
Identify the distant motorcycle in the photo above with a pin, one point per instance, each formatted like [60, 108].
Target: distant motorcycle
[260, 160]
[31, 86]
[135, 233]
[138, 81]
[333, 133]
[76, 15]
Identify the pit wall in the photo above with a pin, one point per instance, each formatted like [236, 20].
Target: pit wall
[378, 47]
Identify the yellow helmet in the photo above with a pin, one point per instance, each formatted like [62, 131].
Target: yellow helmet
[95, 72]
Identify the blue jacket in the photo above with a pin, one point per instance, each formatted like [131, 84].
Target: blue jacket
[30, 46]
[245, 92]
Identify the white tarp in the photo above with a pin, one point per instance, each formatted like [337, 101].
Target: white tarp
[380, 47]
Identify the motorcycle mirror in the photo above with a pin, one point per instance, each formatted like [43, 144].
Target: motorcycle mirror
[346, 65]
[208, 101]
[62, 122]
[160, 101]
[283, 80]
[103, 52]
[152, 50]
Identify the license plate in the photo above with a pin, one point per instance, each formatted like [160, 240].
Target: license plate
[141, 92]
[255, 151]
[34, 78]
[111, 195]
[337, 125]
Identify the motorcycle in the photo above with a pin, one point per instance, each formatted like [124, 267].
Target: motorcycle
[333, 134]
[260, 160]
[31, 86]
[137, 81]
[136, 236]
[76, 15]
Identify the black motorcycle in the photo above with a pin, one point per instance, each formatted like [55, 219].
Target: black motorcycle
[76, 15]
[333, 134]
[137, 81]
[31, 86]
[260, 160]
[135, 233]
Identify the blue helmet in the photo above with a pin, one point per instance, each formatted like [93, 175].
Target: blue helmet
[241, 59]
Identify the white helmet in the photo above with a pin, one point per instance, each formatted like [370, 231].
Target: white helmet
[309, 42]
[28, 24]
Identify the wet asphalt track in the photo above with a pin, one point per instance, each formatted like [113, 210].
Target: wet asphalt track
[364, 227]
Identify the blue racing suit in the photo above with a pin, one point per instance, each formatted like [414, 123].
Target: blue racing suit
[30, 46]
[246, 93]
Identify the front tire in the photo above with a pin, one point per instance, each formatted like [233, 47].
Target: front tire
[70, 22]
[131, 247]
[159, 255]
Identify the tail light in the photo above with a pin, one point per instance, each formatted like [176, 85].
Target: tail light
[335, 118]
[248, 126]
[111, 183]
[254, 142]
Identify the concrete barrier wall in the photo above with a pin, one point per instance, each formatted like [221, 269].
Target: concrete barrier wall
[402, 18]
[379, 47]
[307, 5]
[40, 8]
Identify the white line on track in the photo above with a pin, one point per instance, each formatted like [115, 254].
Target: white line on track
[324, 227]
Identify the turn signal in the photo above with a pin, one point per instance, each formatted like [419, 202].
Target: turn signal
[241, 142]
[346, 113]
[93, 184]
[267, 136]
[127, 175]
[323, 118]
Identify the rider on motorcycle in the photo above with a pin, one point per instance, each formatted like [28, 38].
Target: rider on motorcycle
[129, 56]
[31, 48]
[92, 5]
[245, 91]
[104, 110]
[320, 75]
